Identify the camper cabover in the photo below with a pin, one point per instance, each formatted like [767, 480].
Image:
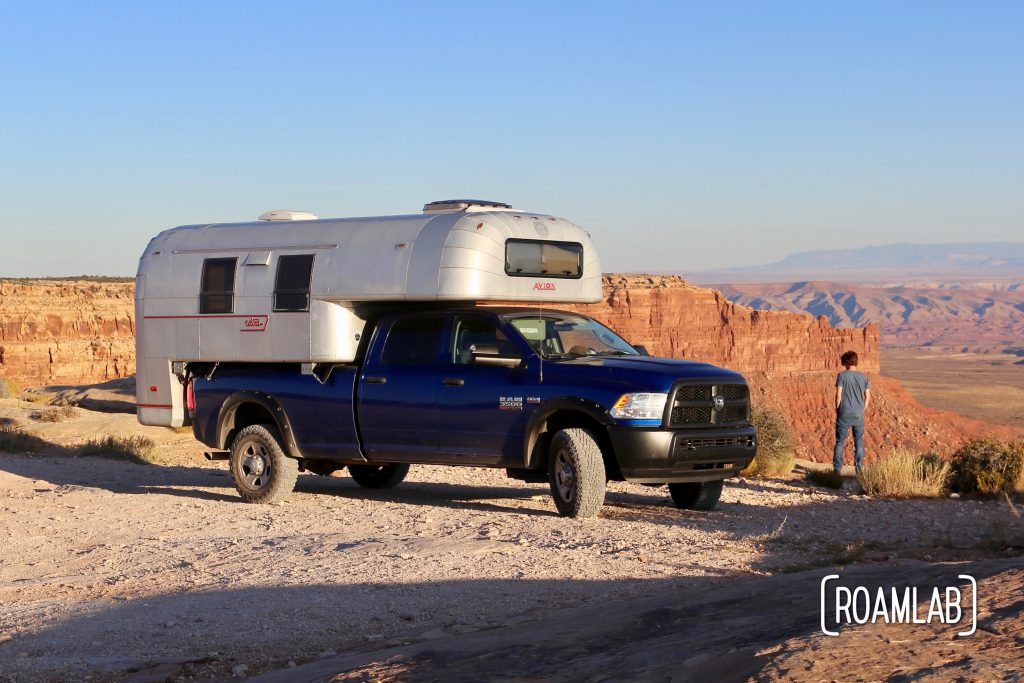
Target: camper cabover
[295, 343]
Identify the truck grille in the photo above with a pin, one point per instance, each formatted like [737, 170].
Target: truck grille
[694, 405]
[683, 445]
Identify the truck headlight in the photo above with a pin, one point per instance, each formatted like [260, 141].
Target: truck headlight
[639, 406]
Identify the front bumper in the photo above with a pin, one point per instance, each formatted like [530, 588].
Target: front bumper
[664, 456]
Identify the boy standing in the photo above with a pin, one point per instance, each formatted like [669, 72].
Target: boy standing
[853, 394]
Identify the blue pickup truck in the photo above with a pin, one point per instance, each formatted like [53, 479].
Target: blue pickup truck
[547, 395]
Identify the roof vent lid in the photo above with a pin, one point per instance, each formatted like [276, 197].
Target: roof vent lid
[287, 215]
[465, 205]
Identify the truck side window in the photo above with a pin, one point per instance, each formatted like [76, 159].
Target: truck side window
[473, 330]
[217, 294]
[291, 287]
[413, 341]
[543, 258]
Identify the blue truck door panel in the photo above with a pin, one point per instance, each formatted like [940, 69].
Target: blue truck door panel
[399, 387]
[483, 410]
[321, 415]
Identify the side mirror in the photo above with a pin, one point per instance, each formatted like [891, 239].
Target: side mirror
[641, 349]
[488, 354]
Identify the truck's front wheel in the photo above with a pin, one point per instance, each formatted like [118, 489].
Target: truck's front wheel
[576, 472]
[696, 495]
[378, 476]
[261, 471]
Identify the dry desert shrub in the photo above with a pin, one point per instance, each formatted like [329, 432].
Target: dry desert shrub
[62, 414]
[829, 479]
[776, 443]
[13, 440]
[139, 449]
[905, 474]
[9, 388]
[988, 467]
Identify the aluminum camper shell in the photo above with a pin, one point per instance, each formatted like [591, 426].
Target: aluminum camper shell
[453, 251]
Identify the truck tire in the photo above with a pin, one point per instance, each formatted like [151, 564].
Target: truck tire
[261, 471]
[576, 473]
[378, 476]
[696, 495]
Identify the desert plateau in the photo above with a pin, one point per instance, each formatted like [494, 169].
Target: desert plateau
[148, 568]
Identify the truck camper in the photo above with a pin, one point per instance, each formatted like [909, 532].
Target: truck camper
[295, 343]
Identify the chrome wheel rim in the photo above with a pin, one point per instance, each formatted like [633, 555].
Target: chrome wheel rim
[254, 465]
[565, 476]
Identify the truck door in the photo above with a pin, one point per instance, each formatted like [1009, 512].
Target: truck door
[483, 408]
[399, 387]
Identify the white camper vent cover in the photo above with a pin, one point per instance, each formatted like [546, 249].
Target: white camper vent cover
[465, 205]
[286, 215]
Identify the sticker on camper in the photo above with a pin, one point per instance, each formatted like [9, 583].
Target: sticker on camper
[546, 286]
[510, 403]
[255, 323]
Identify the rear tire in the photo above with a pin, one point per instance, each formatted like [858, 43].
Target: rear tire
[696, 495]
[379, 476]
[576, 473]
[259, 467]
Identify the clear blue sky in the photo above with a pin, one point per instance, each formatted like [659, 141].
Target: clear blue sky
[683, 135]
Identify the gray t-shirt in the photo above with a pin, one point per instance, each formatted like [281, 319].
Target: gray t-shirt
[854, 385]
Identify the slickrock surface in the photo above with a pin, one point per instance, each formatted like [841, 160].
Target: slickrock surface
[66, 332]
[125, 572]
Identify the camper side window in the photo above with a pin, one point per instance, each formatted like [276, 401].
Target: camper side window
[291, 288]
[542, 258]
[218, 288]
[413, 341]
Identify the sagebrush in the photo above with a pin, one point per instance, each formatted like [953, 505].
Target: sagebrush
[988, 467]
[827, 478]
[13, 440]
[9, 388]
[905, 474]
[776, 443]
[135, 448]
[61, 414]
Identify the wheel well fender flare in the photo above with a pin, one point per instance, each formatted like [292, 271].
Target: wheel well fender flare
[248, 400]
[538, 422]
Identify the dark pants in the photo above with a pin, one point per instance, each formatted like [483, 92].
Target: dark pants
[844, 423]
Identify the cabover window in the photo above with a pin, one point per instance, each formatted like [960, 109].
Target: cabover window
[218, 289]
[291, 288]
[413, 341]
[543, 258]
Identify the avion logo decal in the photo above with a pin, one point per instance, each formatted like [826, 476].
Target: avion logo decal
[255, 323]
[546, 286]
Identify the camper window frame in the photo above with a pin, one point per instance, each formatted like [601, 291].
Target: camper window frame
[559, 243]
[307, 291]
[205, 294]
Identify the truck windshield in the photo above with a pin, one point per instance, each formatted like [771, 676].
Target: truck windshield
[559, 335]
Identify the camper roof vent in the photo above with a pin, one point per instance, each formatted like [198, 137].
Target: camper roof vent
[465, 205]
[286, 215]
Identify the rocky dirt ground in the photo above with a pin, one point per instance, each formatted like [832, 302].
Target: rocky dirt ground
[118, 571]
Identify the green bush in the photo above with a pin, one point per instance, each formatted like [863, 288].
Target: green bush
[776, 443]
[827, 478]
[905, 474]
[988, 467]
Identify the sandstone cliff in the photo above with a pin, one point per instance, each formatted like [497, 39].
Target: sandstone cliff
[66, 332]
[673, 318]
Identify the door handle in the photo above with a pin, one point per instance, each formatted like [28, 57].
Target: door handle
[453, 381]
[376, 380]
